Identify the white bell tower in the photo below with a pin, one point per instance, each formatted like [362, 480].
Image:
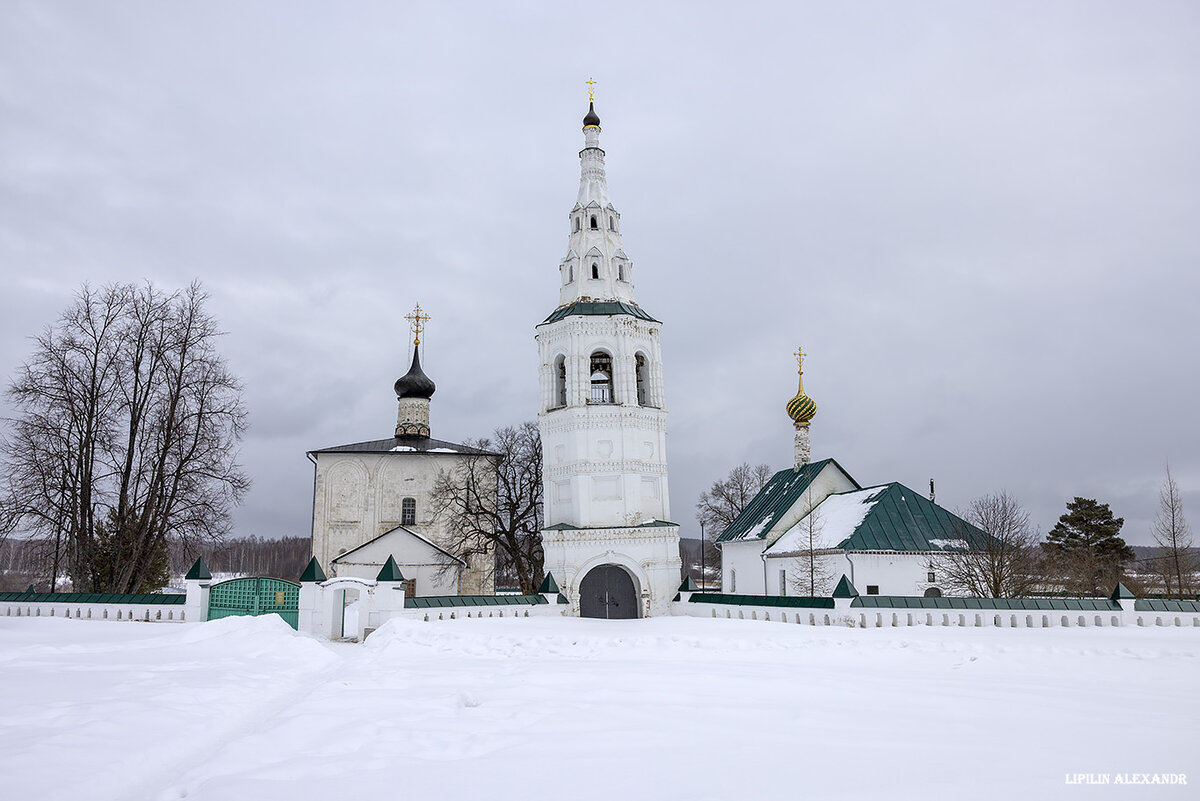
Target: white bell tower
[603, 420]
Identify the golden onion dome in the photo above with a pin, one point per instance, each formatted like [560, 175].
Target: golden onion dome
[801, 408]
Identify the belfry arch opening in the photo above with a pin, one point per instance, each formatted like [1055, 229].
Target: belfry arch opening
[595, 227]
[560, 382]
[642, 372]
[595, 271]
[601, 372]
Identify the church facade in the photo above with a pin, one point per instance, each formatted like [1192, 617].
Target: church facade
[374, 499]
[608, 539]
[812, 523]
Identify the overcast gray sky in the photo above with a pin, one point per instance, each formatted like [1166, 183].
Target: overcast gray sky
[981, 220]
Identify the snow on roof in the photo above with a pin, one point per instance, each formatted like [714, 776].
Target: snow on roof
[950, 545]
[833, 520]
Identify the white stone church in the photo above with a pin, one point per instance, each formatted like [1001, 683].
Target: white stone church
[602, 416]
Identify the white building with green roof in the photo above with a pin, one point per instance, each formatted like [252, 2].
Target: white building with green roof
[813, 519]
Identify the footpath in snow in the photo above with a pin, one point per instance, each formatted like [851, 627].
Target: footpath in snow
[584, 709]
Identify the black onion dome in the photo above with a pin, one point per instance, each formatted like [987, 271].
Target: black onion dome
[415, 384]
[592, 117]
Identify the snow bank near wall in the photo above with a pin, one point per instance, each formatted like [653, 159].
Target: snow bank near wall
[662, 708]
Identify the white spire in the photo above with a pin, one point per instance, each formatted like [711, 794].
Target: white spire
[595, 267]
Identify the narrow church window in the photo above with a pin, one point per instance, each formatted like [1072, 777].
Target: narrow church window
[595, 271]
[783, 582]
[560, 381]
[733, 581]
[408, 511]
[602, 378]
[931, 576]
[410, 588]
[872, 589]
[620, 272]
[639, 362]
[576, 223]
[570, 273]
[612, 226]
[594, 225]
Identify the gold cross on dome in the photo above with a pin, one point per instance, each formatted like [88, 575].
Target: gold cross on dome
[800, 354]
[591, 90]
[417, 322]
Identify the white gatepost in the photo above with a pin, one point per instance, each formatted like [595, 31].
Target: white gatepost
[387, 599]
[310, 597]
[198, 582]
[1128, 603]
[843, 596]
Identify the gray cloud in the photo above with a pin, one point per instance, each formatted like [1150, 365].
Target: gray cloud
[980, 221]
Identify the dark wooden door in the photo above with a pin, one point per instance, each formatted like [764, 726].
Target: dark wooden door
[607, 592]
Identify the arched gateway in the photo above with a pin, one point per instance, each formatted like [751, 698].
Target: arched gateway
[608, 592]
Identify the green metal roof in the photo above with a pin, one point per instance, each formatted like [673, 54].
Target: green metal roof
[646, 524]
[844, 589]
[548, 584]
[199, 571]
[773, 501]
[999, 604]
[313, 572]
[1121, 591]
[689, 585]
[1162, 605]
[453, 601]
[902, 520]
[801, 602]
[173, 599]
[390, 571]
[598, 308]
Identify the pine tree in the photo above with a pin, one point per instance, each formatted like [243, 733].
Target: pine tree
[1086, 548]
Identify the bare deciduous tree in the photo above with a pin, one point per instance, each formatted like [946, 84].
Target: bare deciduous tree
[811, 572]
[125, 436]
[492, 505]
[1001, 559]
[1177, 563]
[727, 497]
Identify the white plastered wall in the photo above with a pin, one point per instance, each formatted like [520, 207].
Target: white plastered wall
[358, 496]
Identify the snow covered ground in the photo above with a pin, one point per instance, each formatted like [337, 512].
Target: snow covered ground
[668, 708]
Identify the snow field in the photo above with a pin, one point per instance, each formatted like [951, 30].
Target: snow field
[520, 708]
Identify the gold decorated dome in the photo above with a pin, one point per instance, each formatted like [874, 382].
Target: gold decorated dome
[802, 409]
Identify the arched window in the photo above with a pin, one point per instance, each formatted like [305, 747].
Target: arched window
[602, 378]
[620, 272]
[408, 511]
[595, 270]
[560, 382]
[576, 223]
[594, 225]
[643, 382]
[570, 273]
[612, 226]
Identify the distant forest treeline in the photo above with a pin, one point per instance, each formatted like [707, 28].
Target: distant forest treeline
[25, 562]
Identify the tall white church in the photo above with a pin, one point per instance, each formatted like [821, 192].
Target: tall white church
[603, 420]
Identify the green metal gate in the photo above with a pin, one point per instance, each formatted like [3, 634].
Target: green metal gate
[255, 596]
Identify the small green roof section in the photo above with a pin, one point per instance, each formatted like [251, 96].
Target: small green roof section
[199, 571]
[606, 308]
[549, 585]
[773, 501]
[845, 589]
[313, 572]
[390, 571]
[688, 585]
[1121, 592]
